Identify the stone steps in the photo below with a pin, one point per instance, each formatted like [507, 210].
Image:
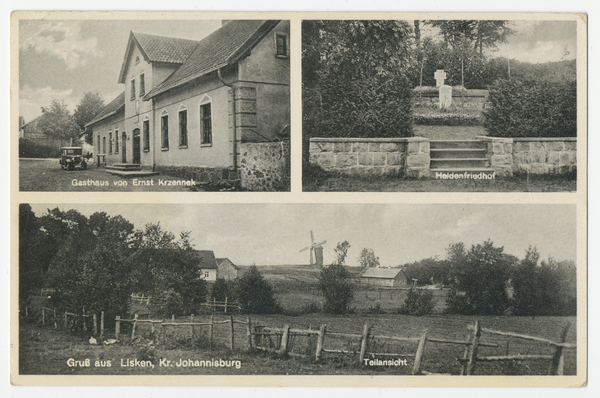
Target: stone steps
[459, 156]
[128, 170]
[124, 167]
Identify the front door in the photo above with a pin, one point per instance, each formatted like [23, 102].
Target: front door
[136, 146]
[124, 148]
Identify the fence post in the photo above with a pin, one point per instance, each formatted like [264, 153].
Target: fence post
[249, 333]
[419, 356]
[232, 334]
[83, 320]
[117, 327]
[65, 321]
[95, 323]
[134, 326]
[55, 325]
[163, 331]
[193, 331]
[558, 361]
[285, 337]
[214, 304]
[212, 326]
[173, 318]
[463, 365]
[43, 316]
[101, 324]
[363, 343]
[225, 310]
[474, 348]
[320, 342]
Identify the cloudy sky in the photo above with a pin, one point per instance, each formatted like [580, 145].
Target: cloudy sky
[272, 234]
[60, 59]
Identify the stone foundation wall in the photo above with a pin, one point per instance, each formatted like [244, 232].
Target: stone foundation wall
[499, 151]
[544, 155]
[213, 175]
[264, 166]
[358, 156]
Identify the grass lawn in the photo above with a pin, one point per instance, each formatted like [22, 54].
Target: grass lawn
[449, 132]
[46, 175]
[330, 182]
[44, 350]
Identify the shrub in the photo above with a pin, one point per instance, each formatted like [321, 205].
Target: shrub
[532, 109]
[418, 302]
[255, 294]
[165, 303]
[368, 107]
[336, 284]
[32, 149]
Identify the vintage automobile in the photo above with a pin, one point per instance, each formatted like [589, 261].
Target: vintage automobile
[71, 157]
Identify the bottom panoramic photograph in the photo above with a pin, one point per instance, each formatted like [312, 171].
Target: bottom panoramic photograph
[297, 289]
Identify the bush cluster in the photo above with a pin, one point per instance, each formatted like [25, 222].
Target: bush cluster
[418, 302]
[532, 109]
[32, 149]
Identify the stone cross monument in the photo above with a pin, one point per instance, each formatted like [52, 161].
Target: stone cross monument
[439, 76]
[445, 91]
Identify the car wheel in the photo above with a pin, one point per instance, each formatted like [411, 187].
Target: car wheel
[84, 166]
[70, 167]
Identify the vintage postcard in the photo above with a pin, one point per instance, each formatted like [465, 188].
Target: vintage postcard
[254, 199]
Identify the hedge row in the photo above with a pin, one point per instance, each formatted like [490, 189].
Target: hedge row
[32, 149]
[448, 119]
[532, 109]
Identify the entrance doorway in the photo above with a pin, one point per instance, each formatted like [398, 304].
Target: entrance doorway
[124, 148]
[136, 147]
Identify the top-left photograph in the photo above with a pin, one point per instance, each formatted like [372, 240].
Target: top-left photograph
[152, 105]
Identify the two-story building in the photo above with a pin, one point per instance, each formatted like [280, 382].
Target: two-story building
[217, 108]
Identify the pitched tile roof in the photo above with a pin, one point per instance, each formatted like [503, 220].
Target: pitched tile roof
[206, 259]
[112, 108]
[383, 273]
[165, 49]
[223, 47]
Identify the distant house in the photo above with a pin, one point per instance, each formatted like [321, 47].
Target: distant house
[216, 108]
[31, 132]
[207, 262]
[385, 277]
[227, 270]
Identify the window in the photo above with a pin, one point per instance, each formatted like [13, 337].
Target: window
[116, 141]
[146, 133]
[164, 128]
[281, 42]
[207, 274]
[104, 145]
[98, 144]
[142, 85]
[132, 89]
[110, 143]
[137, 60]
[205, 124]
[183, 141]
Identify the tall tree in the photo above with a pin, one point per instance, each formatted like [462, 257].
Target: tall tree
[90, 105]
[480, 33]
[368, 259]
[341, 252]
[57, 122]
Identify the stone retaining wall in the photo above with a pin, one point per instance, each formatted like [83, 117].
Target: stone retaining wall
[264, 166]
[372, 156]
[544, 155]
[411, 156]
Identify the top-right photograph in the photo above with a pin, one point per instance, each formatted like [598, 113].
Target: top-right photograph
[441, 105]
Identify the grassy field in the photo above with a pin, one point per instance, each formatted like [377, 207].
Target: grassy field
[46, 175]
[44, 350]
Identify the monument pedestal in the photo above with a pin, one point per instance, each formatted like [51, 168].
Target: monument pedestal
[445, 96]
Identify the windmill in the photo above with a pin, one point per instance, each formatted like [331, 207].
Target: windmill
[317, 248]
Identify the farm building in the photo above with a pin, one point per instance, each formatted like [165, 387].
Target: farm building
[212, 109]
[385, 277]
[207, 262]
[227, 270]
[30, 131]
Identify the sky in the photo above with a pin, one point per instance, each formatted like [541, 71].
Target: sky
[63, 59]
[273, 234]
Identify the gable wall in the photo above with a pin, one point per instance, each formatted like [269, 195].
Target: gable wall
[227, 271]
